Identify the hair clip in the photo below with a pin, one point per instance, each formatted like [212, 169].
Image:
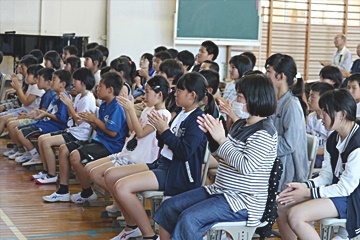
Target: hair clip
[130, 62]
[170, 90]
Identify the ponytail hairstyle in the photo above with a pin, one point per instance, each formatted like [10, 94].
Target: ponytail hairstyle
[196, 82]
[283, 63]
[338, 100]
[242, 64]
[159, 84]
[128, 67]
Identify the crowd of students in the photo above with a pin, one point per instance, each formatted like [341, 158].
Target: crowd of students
[131, 130]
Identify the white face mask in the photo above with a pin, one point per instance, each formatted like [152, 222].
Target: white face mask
[238, 110]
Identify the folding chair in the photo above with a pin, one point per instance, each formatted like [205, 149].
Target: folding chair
[312, 146]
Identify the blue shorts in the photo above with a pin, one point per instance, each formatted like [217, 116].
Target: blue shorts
[341, 206]
[160, 169]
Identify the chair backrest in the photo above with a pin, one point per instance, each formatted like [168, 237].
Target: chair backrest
[207, 163]
[2, 89]
[312, 146]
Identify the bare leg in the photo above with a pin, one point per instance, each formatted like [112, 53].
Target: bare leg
[164, 235]
[41, 139]
[64, 165]
[79, 169]
[24, 141]
[3, 122]
[11, 125]
[282, 222]
[48, 153]
[124, 191]
[95, 170]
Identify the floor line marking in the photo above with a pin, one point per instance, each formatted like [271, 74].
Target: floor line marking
[12, 227]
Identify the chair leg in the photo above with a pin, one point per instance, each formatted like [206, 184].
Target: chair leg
[326, 232]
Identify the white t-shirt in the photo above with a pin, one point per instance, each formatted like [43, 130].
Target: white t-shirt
[34, 90]
[316, 128]
[97, 78]
[82, 104]
[174, 128]
[143, 150]
[358, 110]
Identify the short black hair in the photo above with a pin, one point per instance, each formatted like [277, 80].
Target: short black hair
[38, 54]
[338, 100]
[114, 80]
[34, 69]
[213, 65]
[173, 52]
[251, 56]
[332, 73]
[91, 45]
[172, 69]
[28, 60]
[212, 78]
[149, 57]
[259, 92]
[105, 70]
[74, 62]
[163, 55]
[321, 87]
[54, 58]
[72, 49]
[1, 56]
[85, 76]
[95, 55]
[242, 64]
[354, 78]
[187, 58]
[160, 49]
[104, 50]
[211, 48]
[46, 73]
[64, 76]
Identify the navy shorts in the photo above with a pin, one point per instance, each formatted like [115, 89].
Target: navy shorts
[160, 169]
[68, 137]
[31, 131]
[341, 206]
[90, 151]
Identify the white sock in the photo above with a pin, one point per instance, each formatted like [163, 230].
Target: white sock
[33, 152]
[342, 233]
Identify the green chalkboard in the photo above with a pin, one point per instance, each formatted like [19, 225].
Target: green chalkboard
[218, 19]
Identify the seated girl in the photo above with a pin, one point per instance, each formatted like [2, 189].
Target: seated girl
[332, 193]
[246, 158]
[178, 169]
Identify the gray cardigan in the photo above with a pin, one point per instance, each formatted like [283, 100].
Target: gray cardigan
[292, 147]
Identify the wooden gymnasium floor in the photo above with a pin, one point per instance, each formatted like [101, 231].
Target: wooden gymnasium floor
[23, 214]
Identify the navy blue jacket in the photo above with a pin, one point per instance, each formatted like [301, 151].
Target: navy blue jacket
[184, 172]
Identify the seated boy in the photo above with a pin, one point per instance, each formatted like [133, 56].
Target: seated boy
[111, 130]
[314, 120]
[52, 120]
[30, 100]
[187, 59]
[207, 65]
[207, 51]
[44, 82]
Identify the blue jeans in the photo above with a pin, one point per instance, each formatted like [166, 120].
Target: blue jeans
[191, 214]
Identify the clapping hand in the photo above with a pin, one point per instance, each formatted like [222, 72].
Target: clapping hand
[88, 117]
[208, 123]
[294, 192]
[16, 83]
[67, 100]
[126, 103]
[160, 122]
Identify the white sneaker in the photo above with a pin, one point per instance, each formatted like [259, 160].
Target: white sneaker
[15, 155]
[57, 197]
[26, 157]
[46, 179]
[38, 175]
[337, 237]
[124, 235]
[112, 208]
[9, 152]
[33, 161]
[76, 198]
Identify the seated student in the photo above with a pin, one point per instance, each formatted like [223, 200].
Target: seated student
[354, 89]
[25, 62]
[127, 70]
[207, 51]
[158, 59]
[44, 82]
[91, 45]
[239, 65]
[251, 56]
[111, 130]
[30, 100]
[72, 63]
[314, 121]
[159, 49]
[52, 120]
[52, 60]
[207, 64]
[105, 52]
[335, 191]
[142, 145]
[93, 60]
[77, 130]
[178, 168]
[69, 51]
[246, 158]
[141, 74]
[38, 54]
[331, 75]
[187, 59]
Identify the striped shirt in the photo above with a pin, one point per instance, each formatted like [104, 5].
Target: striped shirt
[244, 169]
